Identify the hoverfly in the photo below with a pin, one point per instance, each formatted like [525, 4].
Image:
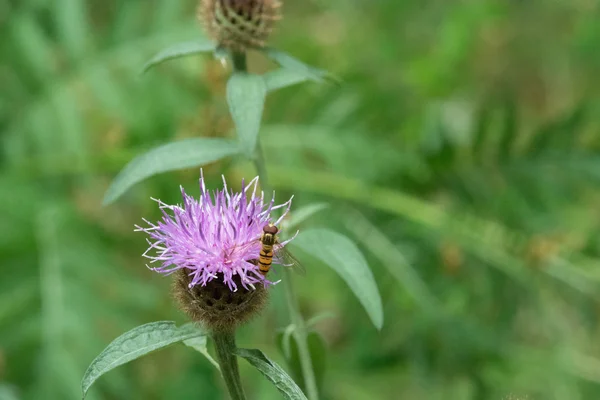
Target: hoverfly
[271, 247]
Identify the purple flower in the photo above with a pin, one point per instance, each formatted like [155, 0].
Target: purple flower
[213, 236]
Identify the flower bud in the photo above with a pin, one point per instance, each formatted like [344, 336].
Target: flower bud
[239, 24]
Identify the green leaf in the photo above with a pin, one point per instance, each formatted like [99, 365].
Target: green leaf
[199, 344]
[173, 156]
[391, 258]
[8, 392]
[342, 255]
[283, 77]
[293, 64]
[179, 50]
[246, 98]
[136, 343]
[318, 354]
[273, 372]
[302, 214]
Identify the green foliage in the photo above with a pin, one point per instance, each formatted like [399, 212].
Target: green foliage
[288, 345]
[291, 63]
[199, 344]
[170, 157]
[136, 343]
[273, 372]
[8, 393]
[281, 78]
[246, 98]
[180, 50]
[339, 253]
[464, 133]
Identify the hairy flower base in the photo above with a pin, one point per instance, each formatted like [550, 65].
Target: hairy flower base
[215, 306]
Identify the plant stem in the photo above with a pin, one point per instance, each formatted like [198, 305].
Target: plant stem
[240, 65]
[224, 347]
[239, 61]
[300, 334]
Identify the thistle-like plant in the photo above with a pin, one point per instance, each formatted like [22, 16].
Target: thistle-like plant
[203, 243]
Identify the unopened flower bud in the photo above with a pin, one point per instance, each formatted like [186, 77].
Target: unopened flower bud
[239, 24]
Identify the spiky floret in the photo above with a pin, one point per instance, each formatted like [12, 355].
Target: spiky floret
[239, 24]
[213, 237]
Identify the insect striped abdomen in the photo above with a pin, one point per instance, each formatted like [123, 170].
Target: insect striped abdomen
[265, 259]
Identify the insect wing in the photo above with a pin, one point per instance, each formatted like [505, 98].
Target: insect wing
[245, 246]
[286, 259]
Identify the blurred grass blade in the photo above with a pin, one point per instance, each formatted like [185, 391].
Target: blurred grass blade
[136, 343]
[246, 98]
[53, 302]
[170, 157]
[283, 340]
[318, 354]
[510, 128]
[395, 262]
[293, 64]
[179, 50]
[488, 240]
[342, 255]
[273, 372]
[314, 320]
[302, 214]
[561, 133]
[283, 77]
[481, 131]
[73, 26]
[199, 344]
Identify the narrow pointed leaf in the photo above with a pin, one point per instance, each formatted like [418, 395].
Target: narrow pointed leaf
[199, 344]
[283, 77]
[246, 98]
[179, 50]
[135, 344]
[391, 258]
[291, 63]
[273, 372]
[342, 255]
[170, 157]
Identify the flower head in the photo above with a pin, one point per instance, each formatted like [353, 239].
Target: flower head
[213, 238]
[239, 24]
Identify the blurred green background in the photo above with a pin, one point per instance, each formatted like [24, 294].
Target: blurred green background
[461, 153]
